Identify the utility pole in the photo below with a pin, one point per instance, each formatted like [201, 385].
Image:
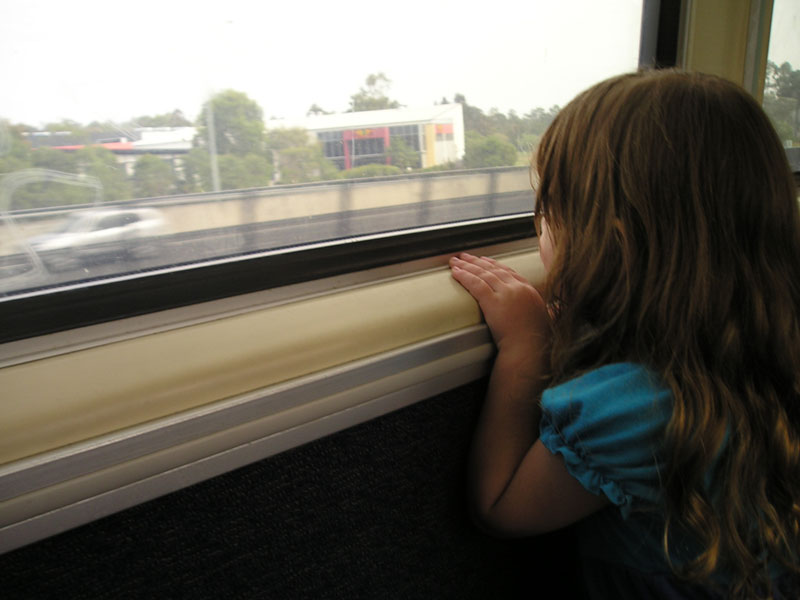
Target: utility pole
[212, 146]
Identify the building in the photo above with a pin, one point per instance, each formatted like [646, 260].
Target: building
[168, 143]
[434, 133]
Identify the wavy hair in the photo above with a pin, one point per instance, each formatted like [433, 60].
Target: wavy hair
[675, 224]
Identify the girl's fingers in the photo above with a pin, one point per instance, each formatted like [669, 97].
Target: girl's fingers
[489, 265]
[477, 286]
[506, 269]
[511, 307]
[471, 270]
[478, 269]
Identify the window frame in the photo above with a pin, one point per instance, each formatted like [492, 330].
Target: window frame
[54, 309]
[74, 306]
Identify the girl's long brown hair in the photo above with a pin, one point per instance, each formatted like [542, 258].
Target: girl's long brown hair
[676, 230]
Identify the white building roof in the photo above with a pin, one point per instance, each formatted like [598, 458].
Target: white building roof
[443, 113]
[165, 138]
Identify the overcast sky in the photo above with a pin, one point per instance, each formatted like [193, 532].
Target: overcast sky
[100, 60]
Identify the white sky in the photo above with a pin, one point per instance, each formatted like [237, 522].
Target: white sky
[102, 60]
[95, 60]
[784, 42]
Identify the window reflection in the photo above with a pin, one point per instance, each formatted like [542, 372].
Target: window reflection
[218, 131]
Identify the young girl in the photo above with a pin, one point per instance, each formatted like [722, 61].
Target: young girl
[651, 392]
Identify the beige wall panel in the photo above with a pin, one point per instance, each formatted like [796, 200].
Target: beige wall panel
[460, 186]
[386, 193]
[729, 38]
[513, 181]
[76, 396]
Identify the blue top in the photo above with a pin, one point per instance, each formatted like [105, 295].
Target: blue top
[609, 425]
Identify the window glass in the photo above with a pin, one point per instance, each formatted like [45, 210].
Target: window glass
[178, 132]
[782, 85]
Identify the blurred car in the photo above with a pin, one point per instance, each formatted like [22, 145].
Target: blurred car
[102, 234]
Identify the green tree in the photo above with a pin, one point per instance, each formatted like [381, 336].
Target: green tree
[238, 124]
[46, 193]
[781, 112]
[488, 151]
[78, 134]
[523, 132]
[782, 100]
[152, 176]
[176, 118]
[299, 156]
[402, 155]
[17, 156]
[474, 119]
[235, 172]
[287, 137]
[300, 164]
[57, 160]
[539, 119]
[238, 172]
[16, 152]
[784, 80]
[315, 109]
[374, 95]
[196, 172]
[528, 142]
[98, 162]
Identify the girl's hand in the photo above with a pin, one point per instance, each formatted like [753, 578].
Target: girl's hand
[514, 311]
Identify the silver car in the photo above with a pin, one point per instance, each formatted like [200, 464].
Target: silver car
[101, 234]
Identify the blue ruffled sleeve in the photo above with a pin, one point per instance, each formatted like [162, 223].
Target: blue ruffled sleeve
[608, 424]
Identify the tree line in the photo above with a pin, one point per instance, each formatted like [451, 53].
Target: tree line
[782, 101]
[250, 155]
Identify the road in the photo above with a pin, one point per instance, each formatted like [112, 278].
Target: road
[19, 274]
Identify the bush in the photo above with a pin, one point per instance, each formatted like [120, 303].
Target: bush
[488, 151]
[450, 166]
[371, 171]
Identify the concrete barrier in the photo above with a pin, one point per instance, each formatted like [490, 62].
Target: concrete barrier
[194, 212]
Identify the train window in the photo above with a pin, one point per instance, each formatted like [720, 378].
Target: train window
[782, 83]
[235, 131]
[233, 149]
